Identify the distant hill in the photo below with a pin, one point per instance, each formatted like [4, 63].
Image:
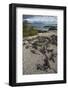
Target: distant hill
[44, 27]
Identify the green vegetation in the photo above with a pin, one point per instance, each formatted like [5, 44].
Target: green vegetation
[51, 27]
[28, 29]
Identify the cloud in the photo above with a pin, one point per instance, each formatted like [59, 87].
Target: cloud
[43, 19]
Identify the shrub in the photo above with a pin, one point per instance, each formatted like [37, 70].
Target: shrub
[28, 30]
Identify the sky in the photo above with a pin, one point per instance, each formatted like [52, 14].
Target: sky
[39, 18]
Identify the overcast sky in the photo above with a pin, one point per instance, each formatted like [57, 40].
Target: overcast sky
[42, 19]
